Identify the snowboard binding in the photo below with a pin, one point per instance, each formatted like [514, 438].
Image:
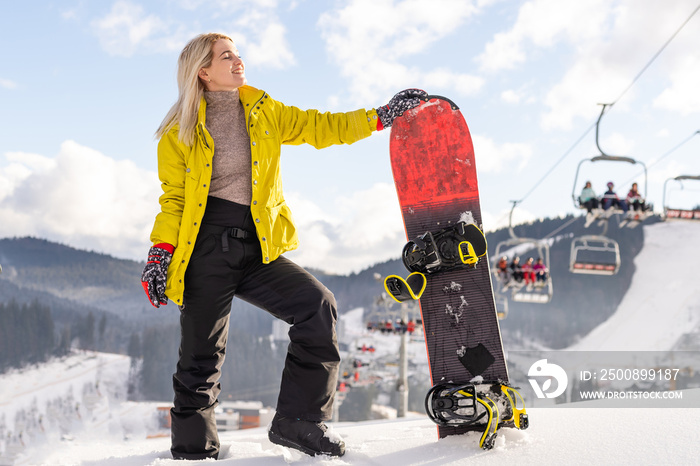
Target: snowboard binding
[491, 405]
[460, 245]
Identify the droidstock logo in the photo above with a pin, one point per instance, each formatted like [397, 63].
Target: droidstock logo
[543, 369]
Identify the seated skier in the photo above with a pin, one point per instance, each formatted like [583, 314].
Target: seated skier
[502, 270]
[528, 272]
[635, 200]
[588, 199]
[516, 270]
[610, 199]
[541, 272]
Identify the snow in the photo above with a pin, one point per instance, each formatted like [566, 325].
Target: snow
[661, 305]
[72, 374]
[663, 300]
[556, 436]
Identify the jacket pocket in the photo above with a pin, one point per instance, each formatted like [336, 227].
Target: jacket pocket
[284, 232]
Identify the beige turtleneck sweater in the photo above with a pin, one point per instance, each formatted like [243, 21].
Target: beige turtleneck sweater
[231, 170]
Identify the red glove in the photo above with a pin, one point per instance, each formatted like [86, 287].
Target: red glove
[154, 276]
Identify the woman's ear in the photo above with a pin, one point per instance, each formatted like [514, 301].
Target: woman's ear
[203, 76]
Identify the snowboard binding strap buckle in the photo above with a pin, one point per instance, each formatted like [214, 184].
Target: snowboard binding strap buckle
[460, 245]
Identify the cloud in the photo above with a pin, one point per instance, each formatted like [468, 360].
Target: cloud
[682, 95]
[541, 23]
[364, 228]
[266, 45]
[607, 51]
[510, 96]
[493, 157]
[375, 44]
[493, 222]
[82, 198]
[8, 84]
[128, 29]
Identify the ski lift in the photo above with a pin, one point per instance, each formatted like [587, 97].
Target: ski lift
[501, 306]
[539, 293]
[594, 254]
[680, 214]
[599, 213]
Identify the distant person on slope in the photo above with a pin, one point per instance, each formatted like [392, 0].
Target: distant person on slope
[222, 228]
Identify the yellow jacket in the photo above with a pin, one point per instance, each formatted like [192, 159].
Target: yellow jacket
[185, 174]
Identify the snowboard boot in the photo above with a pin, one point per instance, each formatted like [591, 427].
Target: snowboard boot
[307, 436]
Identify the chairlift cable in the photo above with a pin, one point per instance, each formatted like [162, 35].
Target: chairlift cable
[669, 152]
[561, 159]
[573, 219]
[656, 55]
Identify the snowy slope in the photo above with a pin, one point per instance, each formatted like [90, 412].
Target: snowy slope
[68, 377]
[663, 300]
[555, 437]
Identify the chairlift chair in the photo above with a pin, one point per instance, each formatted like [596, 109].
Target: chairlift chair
[595, 255]
[501, 307]
[603, 157]
[521, 293]
[680, 214]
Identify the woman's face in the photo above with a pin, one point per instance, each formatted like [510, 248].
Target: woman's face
[226, 72]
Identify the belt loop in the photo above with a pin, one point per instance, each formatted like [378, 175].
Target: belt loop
[224, 240]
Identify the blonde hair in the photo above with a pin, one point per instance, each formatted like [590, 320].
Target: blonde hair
[196, 55]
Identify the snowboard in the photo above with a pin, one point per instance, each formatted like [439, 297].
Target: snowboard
[434, 170]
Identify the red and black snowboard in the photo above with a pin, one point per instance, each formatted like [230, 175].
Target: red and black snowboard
[434, 170]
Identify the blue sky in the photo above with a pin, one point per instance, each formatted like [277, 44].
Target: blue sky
[84, 84]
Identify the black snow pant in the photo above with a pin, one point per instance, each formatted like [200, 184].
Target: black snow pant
[223, 266]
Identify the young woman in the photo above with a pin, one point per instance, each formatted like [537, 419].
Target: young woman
[222, 228]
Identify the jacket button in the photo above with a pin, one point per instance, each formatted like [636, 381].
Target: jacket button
[267, 259]
[253, 142]
[264, 239]
[188, 170]
[255, 202]
[257, 220]
[255, 163]
[255, 181]
[267, 132]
